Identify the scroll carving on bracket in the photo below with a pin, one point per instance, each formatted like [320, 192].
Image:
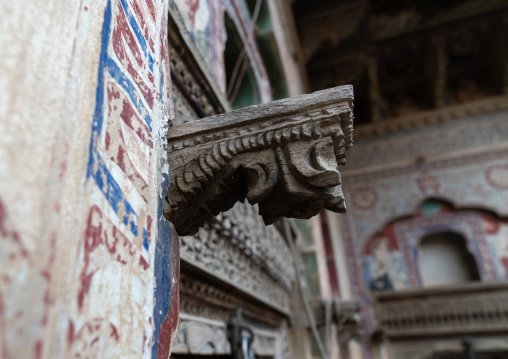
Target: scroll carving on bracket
[283, 155]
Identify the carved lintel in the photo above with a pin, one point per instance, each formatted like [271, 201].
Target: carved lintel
[283, 155]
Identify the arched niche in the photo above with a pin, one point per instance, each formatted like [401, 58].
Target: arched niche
[241, 87]
[478, 237]
[444, 258]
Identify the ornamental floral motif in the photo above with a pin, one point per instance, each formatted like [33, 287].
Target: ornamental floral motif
[364, 198]
[428, 183]
[497, 176]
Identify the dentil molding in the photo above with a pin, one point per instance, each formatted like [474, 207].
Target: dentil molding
[283, 155]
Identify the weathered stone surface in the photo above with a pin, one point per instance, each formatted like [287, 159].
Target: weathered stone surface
[237, 248]
[283, 155]
[209, 337]
[467, 309]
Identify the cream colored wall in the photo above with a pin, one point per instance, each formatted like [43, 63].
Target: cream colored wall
[47, 94]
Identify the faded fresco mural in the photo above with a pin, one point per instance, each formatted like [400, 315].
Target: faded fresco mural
[204, 21]
[391, 258]
[126, 240]
[88, 266]
[384, 266]
[388, 179]
[496, 236]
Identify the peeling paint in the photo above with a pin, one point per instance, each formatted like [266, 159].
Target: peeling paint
[79, 266]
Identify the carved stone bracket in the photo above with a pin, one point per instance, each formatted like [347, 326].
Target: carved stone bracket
[283, 155]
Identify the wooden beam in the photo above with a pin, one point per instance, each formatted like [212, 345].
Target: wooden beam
[283, 155]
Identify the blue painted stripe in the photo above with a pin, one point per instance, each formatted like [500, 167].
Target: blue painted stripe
[131, 90]
[99, 97]
[162, 269]
[96, 167]
[146, 241]
[137, 31]
[112, 191]
[161, 88]
[150, 62]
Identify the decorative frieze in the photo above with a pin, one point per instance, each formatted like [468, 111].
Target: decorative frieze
[467, 309]
[196, 94]
[264, 245]
[432, 117]
[201, 336]
[210, 300]
[283, 156]
[224, 249]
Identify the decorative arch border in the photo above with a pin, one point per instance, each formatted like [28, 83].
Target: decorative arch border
[356, 234]
[410, 232]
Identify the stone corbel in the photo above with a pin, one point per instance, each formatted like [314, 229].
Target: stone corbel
[283, 155]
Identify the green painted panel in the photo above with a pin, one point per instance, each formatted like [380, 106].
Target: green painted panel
[248, 93]
[304, 226]
[310, 267]
[270, 55]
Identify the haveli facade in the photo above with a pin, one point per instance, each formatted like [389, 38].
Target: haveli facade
[90, 267]
[422, 244]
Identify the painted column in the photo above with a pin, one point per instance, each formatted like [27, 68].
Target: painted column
[88, 266]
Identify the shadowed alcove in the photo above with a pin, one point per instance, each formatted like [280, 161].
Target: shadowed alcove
[445, 259]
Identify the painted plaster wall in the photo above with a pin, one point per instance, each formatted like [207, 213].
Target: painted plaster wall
[387, 178]
[204, 20]
[88, 267]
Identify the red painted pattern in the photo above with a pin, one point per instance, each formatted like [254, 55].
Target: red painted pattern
[116, 148]
[38, 350]
[114, 331]
[89, 334]
[143, 263]
[128, 114]
[6, 232]
[100, 232]
[18, 257]
[193, 8]
[46, 274]
[122, 35]
[147, 23]
[149, 226]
